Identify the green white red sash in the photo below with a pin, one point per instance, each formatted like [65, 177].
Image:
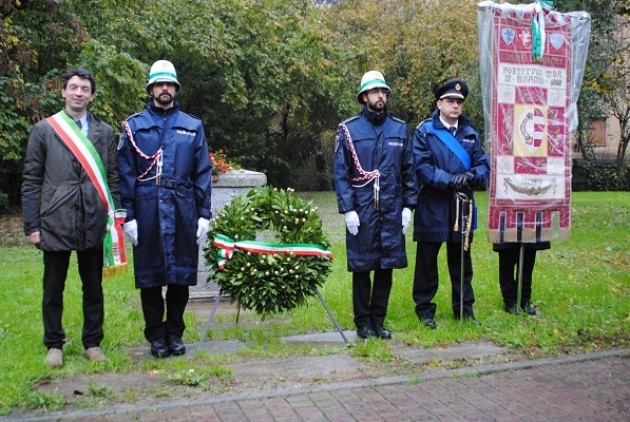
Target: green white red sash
[226, 247]
[114, 255]
[541, 8]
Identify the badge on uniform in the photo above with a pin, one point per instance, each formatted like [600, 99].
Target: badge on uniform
[337, 142]
[121, 142]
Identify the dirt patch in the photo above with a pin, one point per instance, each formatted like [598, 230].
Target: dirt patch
[11, 230]
[246, 374]
[258, 375]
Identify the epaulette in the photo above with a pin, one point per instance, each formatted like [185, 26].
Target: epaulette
[422, 122]
[191, 115]
[349, 120]
[398, 120]
[135, 114]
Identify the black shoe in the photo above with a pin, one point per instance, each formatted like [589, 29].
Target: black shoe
[511, 309]
[159, 349]
[469, 317]
[383, 332]
[365, 331]
[176, 345]
[472, 319]
[429, 322]
[529, 309]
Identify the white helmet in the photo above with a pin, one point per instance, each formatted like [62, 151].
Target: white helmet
[371, 80]
[163, 71]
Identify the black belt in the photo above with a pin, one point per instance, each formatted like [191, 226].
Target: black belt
[170, 183]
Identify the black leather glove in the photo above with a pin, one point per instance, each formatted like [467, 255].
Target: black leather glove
[470, 178]
[462, 180]
[457, 180]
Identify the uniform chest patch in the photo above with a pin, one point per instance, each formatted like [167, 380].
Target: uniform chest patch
[185, 132]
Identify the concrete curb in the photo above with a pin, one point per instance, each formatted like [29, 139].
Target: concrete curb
[375, 382]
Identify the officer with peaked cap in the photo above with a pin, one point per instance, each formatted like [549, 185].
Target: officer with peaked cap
[449, 160]
[376, 187]
[165, 173]
[455, 88]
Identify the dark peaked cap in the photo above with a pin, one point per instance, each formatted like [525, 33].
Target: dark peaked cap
[455, 88]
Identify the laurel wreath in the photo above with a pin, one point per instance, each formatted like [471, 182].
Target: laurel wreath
[283, 226]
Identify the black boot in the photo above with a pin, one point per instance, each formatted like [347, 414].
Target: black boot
[511, 308]
[528, 308]
[429, 323]
[468, 316]
[159, 349]
[176, 345]
[366, 331]
[382, 332]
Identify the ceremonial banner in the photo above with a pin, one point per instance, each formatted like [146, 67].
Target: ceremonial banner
[530, 109]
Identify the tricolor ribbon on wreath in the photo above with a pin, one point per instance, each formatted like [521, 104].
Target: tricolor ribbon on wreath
[226, 247]
[114, 255]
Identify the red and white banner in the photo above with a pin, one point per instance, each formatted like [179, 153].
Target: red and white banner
[529, 107]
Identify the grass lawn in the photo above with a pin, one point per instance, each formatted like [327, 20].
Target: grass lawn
[581, 289]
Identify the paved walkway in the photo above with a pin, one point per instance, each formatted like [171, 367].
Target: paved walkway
[588, 387]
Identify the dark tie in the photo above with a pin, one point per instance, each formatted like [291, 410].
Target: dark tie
[78, 122]
[450, 129]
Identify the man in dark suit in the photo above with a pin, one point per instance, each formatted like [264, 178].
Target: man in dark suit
[64, 211]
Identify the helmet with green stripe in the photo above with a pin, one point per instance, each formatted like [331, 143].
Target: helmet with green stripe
[371, 80]
[163, 71]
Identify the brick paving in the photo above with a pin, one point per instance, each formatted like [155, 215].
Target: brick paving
[590, 387]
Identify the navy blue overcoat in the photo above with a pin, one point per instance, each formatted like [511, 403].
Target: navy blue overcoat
[167, 214]
[380, 242]
[436, 165]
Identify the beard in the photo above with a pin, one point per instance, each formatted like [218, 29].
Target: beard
[377, 106]
[164, 99]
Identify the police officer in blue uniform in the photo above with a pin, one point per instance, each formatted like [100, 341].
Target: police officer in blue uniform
[165, 186]
[449, 159]
[376, 189]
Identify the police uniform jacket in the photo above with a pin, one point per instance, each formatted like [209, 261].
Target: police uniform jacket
[380, 242]
[436, 164]
[166, 209]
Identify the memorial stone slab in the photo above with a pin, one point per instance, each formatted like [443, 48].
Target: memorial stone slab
[224, 188]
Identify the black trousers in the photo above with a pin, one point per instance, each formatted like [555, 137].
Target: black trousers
[369, 301]
[426, 279]
[508, 275]
[55, 272]
[153, 308]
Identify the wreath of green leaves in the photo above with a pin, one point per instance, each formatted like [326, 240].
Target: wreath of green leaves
[263, 282]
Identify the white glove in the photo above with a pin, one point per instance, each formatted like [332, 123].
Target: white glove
[203, 225]
[406, 218]
[131, 231]
[352, 222]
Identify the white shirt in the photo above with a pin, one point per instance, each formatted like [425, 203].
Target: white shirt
[447, 126]
[84, 124]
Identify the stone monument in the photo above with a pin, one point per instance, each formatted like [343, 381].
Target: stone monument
[224, 187]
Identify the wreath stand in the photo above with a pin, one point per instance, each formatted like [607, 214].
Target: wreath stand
[217, 300]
